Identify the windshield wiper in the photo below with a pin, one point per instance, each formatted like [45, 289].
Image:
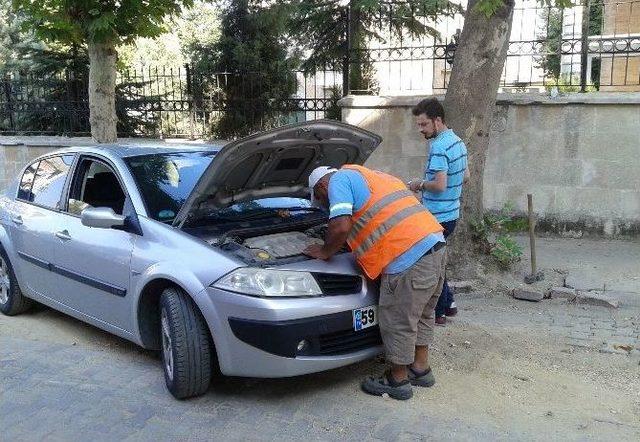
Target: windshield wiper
[301, 209]
[257, 214]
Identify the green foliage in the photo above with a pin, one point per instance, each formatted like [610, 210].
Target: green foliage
[550, 31]
[492, 235]
[114, 21]
[566, 83]
[13, 37]
[259, 78]
[53, 78]
[506, 251]
[194, 27]
[320, 28]
[334, 112]
[488, 7]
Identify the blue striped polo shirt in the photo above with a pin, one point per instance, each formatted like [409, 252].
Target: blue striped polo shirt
[448, 153]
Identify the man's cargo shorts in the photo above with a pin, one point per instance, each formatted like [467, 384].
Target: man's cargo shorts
[406, 307]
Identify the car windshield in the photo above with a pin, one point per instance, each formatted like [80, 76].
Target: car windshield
[166, 180]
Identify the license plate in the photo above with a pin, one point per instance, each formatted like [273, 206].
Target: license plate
[365, 317]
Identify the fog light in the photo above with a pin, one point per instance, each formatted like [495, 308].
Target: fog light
[303, 345]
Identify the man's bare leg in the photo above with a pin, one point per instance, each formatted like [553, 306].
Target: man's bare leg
[420, 364]
[421, 361]
[399, 373]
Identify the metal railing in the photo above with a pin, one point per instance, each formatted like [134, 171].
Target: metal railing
[594, 46]
[588, 47]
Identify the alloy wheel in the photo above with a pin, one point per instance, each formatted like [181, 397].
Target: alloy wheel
[167, 347]
[5, 282]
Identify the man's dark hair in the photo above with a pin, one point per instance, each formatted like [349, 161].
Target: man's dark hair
[431, 107]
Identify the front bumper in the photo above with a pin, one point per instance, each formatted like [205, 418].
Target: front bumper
[330, 335]
[259, 337]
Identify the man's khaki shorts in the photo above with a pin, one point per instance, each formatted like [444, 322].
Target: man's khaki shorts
[407, 301]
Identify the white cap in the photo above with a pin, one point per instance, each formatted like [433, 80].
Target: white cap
[316, 175]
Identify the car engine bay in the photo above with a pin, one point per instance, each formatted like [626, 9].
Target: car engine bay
[270, 248]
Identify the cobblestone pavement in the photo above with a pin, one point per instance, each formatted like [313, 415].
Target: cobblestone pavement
[596, 328]
[86, 385]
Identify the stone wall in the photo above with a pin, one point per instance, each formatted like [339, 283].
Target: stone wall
[579, 155]
[14, 156]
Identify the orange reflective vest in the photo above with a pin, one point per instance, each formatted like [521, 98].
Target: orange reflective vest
[390, 223]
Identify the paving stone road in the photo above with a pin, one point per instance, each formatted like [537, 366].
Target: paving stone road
[71, 387]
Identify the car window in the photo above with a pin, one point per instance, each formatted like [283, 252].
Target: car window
[95, 184]
[24, 191]
[166, 180]
[49, 179]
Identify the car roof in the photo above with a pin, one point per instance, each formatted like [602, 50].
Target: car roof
[118, 150]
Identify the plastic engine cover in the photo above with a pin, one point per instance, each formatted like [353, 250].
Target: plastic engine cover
[282, 245]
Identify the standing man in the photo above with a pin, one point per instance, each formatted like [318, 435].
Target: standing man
[445, 172]
[393, 235]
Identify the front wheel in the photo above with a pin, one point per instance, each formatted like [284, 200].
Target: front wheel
[186, 345]
[12, 301]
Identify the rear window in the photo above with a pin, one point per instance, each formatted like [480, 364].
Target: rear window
[42, 182]
[166, 180]
[24, 191]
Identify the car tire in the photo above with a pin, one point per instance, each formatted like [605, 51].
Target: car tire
[186, 345]
[12, 301]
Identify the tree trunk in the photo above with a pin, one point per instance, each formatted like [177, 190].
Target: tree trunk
[470, 102]
[102, 92]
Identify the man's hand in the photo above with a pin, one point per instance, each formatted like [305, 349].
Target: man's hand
[316, 251]
[337, 231]
[415, 185]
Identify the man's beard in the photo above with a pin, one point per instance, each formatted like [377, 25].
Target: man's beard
[432, 136]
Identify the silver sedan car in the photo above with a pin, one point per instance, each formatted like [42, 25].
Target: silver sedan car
[194, 251]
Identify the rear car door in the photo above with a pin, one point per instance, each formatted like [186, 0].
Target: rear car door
[93, 264]
[34, 218]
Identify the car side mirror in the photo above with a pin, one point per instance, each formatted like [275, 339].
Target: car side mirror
[101, 217]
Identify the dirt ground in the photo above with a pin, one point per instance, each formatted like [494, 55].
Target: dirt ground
[505, 369]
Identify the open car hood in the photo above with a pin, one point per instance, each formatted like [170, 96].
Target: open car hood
[275, 163]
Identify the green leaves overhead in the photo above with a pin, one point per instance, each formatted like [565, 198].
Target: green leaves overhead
[320, 27]
[116, 21]
[490, 7]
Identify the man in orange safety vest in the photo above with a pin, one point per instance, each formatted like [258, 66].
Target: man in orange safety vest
[395, 237]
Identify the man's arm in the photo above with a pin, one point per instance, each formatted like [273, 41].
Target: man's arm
[337, 232]
[437, 185]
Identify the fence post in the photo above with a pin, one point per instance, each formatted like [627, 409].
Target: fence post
[7, 93]
[584, 46]
[187, 69]
[346, 64]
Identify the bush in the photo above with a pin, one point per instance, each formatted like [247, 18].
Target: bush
[492, 235]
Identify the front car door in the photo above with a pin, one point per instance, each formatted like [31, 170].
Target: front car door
[93, 264]
[34, 217]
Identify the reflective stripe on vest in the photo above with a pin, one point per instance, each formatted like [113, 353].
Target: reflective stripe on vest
[387, 225]
[375, 209]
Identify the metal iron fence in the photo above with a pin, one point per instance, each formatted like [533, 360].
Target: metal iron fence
[163, 102]
[594, 46]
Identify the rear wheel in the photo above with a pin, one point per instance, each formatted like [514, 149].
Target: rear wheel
[186, 345]
[12, 301]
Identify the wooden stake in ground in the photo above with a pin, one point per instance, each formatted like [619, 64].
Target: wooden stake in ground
[535, 275]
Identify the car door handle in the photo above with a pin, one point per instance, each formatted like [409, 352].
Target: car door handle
[17, 219]
[63, 235]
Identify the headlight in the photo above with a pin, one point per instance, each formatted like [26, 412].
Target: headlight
[269, 283]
